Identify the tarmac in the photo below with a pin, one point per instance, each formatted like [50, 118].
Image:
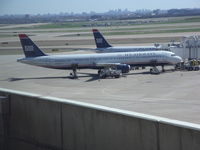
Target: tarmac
[172, 94]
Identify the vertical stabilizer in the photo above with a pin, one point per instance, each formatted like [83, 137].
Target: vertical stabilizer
[100, 40]
[29, 48]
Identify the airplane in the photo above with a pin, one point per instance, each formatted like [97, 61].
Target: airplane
[103, 46]
[102, 61]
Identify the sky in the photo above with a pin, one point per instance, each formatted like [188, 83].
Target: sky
[78, 6]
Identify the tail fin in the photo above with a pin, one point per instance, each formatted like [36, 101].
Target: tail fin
[29, 48]
[100, 40]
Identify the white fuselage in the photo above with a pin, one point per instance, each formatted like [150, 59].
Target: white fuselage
[147, 58]
[127, 49]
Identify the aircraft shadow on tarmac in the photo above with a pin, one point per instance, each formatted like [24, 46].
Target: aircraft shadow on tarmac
[19, 79]
[93, 76]
[80, 75]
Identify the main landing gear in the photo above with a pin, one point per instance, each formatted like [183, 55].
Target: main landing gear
[163, 69]
[73, 74]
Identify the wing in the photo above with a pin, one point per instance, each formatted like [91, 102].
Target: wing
[108, 64]
[123, 67]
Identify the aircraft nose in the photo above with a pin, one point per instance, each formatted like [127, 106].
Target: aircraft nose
[19, 60]
[179, 59]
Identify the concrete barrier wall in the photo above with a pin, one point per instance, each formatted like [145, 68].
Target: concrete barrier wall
[34, 122]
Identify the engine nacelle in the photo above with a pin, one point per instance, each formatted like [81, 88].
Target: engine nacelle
[124, 68]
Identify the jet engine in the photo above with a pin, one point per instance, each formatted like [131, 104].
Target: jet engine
[124, 68]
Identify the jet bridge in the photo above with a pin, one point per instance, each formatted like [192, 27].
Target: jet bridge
[188, 48]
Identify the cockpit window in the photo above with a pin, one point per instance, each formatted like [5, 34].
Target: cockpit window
[173, 55]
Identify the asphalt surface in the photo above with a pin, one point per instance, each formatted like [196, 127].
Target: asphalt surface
[174, 95]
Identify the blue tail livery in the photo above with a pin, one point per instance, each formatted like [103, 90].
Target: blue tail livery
[29, 48]
[100, 40]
